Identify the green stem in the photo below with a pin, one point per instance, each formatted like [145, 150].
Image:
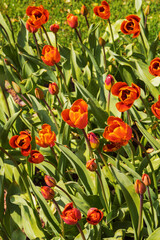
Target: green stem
[87, 21]
[59, 212]
[110, 27]
[80, 230]
[52, 149]
[132, 153]
[66, 194]
[59, 69]
[140, 216]
[51, 114]
[129, 118]
[46, 35]
[88, 143]
[37, 46]
[104, 56]
[80, 39]
[149, 196]
[55, 34]
[59, 102]
[108, 103]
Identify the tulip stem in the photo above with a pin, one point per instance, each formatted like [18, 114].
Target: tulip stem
[54, 154]
[55, 34]
[108, 103]
[80, 39]
[62, 75]
[46, 35]
[88, 143]
[110, 27]
[149, 196]
[129, 118]
[19, 75]
[86, 21]
[51, 114]
[150, 164]
[66, 194]
[59, 212]
[140, 216]
[37, 46]
[59, 102]
[104, 56]
[80, 230]
[132, 153]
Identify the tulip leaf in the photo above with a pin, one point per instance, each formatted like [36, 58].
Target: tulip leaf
[155, 235]
[138, 5]
[1, 184]
[76, 70]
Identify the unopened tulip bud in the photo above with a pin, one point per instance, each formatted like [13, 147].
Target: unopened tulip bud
[39, 93]
[84, 10]
[47, 192]
[53, 88]
[16, 87]
[109, 82]
[146, 179]
[7, 62]
[72, 21]
[91, 165]
[102, 42]
[146, 11]
[50, 181]
[140, 187]
[93, 139]
[54, 28]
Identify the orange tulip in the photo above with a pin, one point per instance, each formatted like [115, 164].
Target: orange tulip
[94, 216]
[51, 55]
[54, 28]
[156, 108]
[146, 179]
[102, 11]
[22, 141]
[47, 192]
[53, 88]
[91, 165]
[77, 115]
[36, 157]
[154, 67]
[117, 131]
[31, 26]
[72, 20]
[131, 26]
[46, 138]
[71, 215]
[93, 139]
[84, 10]
[112, 147]
[140, 187]
[126, 94]
[39, 15]
[50, 181]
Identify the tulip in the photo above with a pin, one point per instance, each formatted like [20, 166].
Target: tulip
[91, 165]
[71, 215]
[94, 216]
[140, 187]
[54, 28]
[102, 42]
[47, 192]
[36, 157]
[102, 11]
[53, 88]
[51, 55]
[93, 139]
[47, 137]
[156, 108]
[72, 21]
[146, 179]
[154, 67]
[39, 15]
[39, 93]
[109, 82]
[131, 26]
[84, 10]
[50, 181]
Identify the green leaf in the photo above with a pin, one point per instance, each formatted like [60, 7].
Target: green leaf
[8, 31]
[138, 5]
[155, 235]
[1, 184]
[76, 70]
[18, 234]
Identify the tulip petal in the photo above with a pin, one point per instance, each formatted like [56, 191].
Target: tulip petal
[82, 121]
[116, 88]
[12, 141]
[122, 107]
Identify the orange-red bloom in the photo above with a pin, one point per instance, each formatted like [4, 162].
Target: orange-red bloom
[53, 88]
[72, 20]
[94, 216]
[154, 67]
[146, 179]
[117, 131]
[71, 215]
[54, 28]
[22, 141]
[111, 147]
[36, 157]
[93, 139]
[47, 192]
[131, 25]
[77, 115]
[109, 81]
[140, 187]
[47, 137]
[31, 27]
[39, 15]
[91, 165]
[126, 94]
[51, 55]
[84, 10]
[50, 181]
[102, 11]
[156, 108]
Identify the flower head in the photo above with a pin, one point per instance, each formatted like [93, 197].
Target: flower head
[39, 15]
[77, 115]
[53, 88]
[47, 192]
[50, 181]
[91, 165]
[36, 157]
[154, 67]
[117, 131]
[156, 108]
[39, 93]
[51, 55]
[22, 141]
[54, 28]
[84, 10]
[109, 81]
[131, 26]
[140, 187]
[111, 147]
[47, 137]
[102, 11]
[126, 94]
[94, 216]
[146, 179]
[71, 215]
[72, 20]
[93, 139]
[31, 26]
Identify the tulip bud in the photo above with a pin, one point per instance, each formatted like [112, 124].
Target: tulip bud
[140, 188]
[91, 165]
[109, 82]
[39, 93]
[146, 11]
[50, 181]
[36, 157]
[84, 10]
[53, 88]
[102, 42]
[146, 179]
[72, 21]
[54, 28]
[159, 36]
[7, 62]
[16, 87]
[93, 139]
[47, 192]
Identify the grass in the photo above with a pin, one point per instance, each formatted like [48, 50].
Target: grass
[59, 9]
